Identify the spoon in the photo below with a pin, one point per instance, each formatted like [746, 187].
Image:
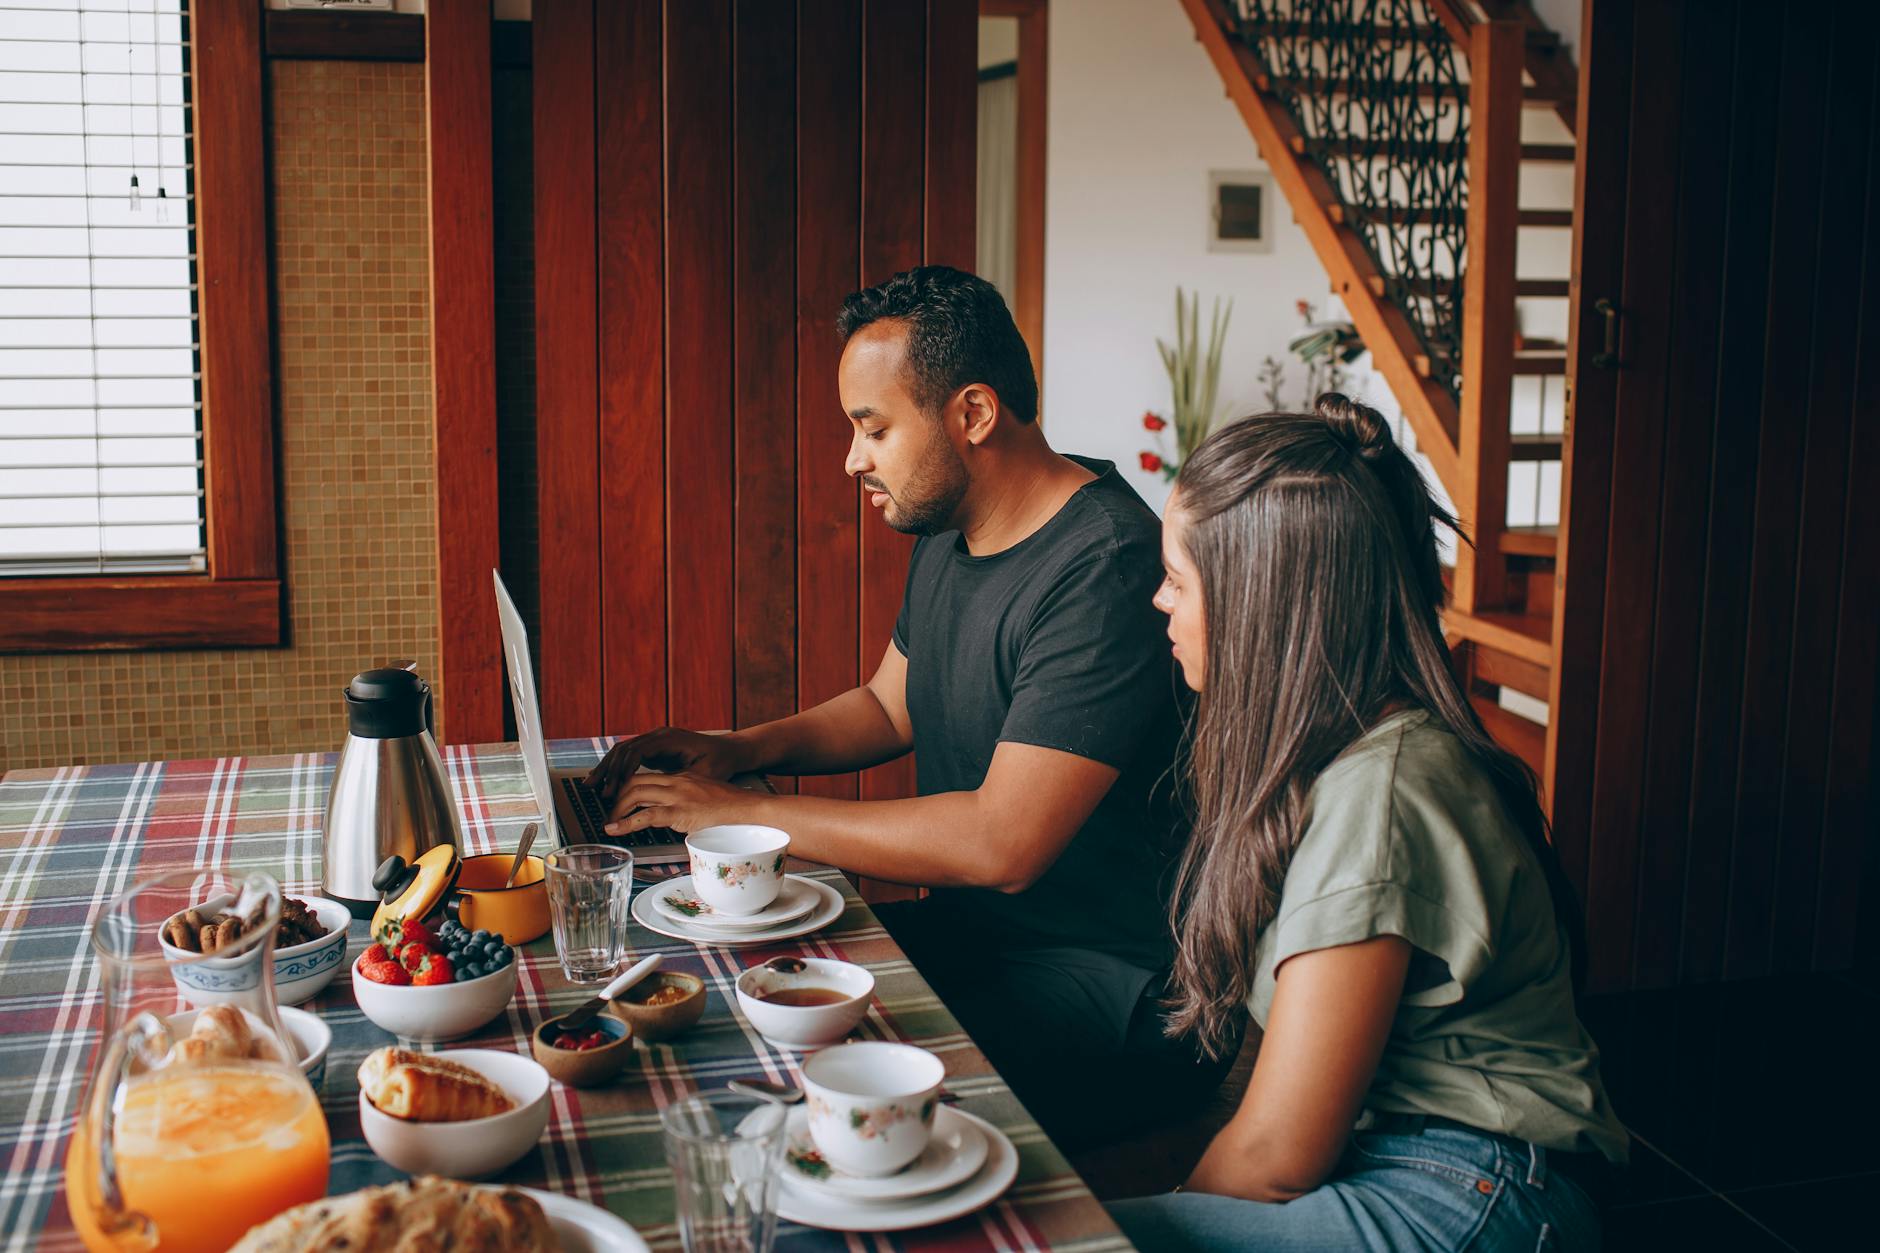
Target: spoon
[787, 1095]
[786, 965]
[594, 1004]
[522, 854]
[782, 1092]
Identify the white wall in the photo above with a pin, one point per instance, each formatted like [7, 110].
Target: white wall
[1138, 117]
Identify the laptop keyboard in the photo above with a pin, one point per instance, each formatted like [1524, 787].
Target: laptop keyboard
[591, 815]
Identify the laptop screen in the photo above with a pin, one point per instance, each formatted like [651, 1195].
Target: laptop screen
[528, 711]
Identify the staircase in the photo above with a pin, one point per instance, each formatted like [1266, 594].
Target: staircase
[1426, 148]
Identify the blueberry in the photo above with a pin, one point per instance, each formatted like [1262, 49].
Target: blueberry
[504, 958]
[472, 971]
[479, 936]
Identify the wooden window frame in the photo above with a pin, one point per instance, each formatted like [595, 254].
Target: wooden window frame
[237, 602]
[1033, 126]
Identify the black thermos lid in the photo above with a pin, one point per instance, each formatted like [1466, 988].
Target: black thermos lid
[386, 704]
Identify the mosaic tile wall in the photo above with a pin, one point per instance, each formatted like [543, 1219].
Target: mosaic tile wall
[353, 368]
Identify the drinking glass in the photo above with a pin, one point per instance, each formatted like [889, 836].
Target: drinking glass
[725, 1150]
[589, 889]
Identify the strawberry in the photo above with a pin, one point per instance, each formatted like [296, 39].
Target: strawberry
[412, 956]
[397, 932]
[375, 955]
[433, 970]
[385, 972]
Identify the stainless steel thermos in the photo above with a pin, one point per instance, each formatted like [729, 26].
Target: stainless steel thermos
[390, 795]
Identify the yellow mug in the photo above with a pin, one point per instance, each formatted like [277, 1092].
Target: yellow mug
[518, 914]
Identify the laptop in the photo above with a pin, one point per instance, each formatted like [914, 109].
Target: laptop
[572, 812]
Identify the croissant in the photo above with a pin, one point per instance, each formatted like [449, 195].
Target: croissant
[420, 1214]
[221, 1033]
[423, 1087]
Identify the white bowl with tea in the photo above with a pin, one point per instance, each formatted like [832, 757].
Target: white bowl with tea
[805, 1003]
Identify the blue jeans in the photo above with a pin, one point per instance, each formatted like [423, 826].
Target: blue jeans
[1442, 1190]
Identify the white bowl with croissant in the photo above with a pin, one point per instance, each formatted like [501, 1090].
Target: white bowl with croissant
[442, 1012]
[309, 1034]
[463, 1114]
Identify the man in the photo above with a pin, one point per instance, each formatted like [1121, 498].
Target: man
[1029, 674]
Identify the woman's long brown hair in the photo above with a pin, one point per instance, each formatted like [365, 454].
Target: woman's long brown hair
[1314, 538]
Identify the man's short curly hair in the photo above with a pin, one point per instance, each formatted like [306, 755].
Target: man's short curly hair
[958, 332]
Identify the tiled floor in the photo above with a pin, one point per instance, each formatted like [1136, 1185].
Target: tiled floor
[1756, 1107]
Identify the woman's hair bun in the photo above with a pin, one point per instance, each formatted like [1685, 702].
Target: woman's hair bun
[1359, 425]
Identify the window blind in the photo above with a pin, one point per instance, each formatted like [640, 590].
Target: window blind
[100, 396]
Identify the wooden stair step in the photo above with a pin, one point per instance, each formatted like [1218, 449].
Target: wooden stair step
[1526, 740]
[1487, 665]
[1544, 363]
[1530, 541]
[1529, 637]
[1534, 447]
[1423, 215]
[1545, 217]
[1543, 288]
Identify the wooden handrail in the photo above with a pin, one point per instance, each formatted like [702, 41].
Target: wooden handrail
[1431, 410]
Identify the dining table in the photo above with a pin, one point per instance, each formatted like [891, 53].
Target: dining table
[72, 838]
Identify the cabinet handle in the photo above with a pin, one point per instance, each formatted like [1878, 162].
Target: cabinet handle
[1608, 357]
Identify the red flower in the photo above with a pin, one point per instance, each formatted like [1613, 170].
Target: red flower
[1304, 308]
[1151, 462]
[1153, 422]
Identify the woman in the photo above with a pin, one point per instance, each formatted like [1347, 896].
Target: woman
[1369, 875]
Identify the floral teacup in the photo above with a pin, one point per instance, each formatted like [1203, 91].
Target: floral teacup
[737, 869]
[871, 1105]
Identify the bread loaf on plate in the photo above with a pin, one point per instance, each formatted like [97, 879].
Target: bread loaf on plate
[424, 1087]
[417, 1216]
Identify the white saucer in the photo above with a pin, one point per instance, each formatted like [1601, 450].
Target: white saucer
[584, 1228]
[953, 1156]
[795, 897]
[843, 1214]
[647, 914]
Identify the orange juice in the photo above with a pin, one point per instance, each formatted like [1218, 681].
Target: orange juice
[204, 1154]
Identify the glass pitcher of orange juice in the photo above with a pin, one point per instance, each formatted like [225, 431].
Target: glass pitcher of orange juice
[198, 1122]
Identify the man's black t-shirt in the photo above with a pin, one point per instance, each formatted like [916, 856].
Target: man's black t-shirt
[1054, 642]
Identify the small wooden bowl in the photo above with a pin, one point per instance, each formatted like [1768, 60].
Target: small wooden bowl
[585, 1068]
[653, 1023]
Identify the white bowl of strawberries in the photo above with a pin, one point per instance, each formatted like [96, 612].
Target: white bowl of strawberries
[412, 987]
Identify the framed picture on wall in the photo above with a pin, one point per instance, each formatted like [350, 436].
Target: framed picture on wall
[1240, 211]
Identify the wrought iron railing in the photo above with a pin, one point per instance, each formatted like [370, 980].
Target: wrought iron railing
[1376, 89]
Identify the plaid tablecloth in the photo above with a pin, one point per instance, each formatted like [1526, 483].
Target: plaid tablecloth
[72, 838]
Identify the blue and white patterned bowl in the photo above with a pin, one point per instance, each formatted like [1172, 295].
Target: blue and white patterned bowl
[301, 971]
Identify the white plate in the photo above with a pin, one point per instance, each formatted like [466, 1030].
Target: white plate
[647, 915]
[953, 1156]
[584, 1228]
[796, 897]
[842, 1214]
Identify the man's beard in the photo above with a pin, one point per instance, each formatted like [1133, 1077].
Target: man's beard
[932, 494]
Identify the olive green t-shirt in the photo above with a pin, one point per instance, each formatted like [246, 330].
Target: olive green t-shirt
[1406, 836]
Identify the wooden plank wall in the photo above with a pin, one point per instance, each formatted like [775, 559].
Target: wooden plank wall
[711, 179]
[1726, 823]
